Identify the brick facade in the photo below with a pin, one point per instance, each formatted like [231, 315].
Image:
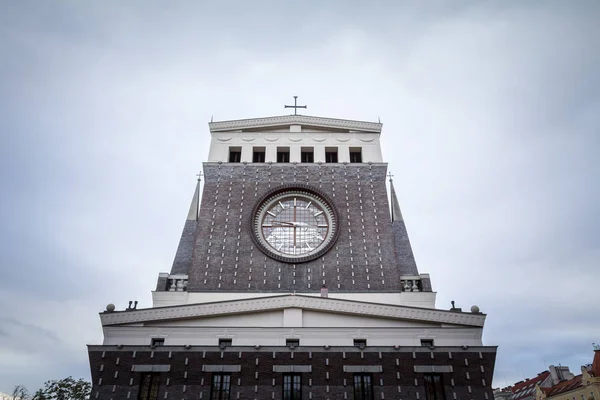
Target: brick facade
[362, 259]
[471, 375]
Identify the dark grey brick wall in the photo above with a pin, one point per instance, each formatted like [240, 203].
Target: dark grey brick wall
[471, 376]
[185, 251]
[362, 260]
[403, 250]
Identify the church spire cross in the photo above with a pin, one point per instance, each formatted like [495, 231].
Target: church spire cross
[390, 176]
[295, 106]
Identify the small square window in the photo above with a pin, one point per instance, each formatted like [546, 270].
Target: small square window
[360, 343]
[258, 154]
[235, 154]
[307, 155]
[225, 343]
[292, 343]
[355, 155]
[427, 342]
[283, 154]
[157, 342]
[331, 155]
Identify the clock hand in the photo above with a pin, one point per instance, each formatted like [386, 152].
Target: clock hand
[282, 223]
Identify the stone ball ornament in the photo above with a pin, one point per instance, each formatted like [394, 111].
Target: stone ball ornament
[294, 223]
[475, 309]
[110, 307]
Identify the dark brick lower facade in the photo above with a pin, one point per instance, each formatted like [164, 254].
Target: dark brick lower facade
[396, 373]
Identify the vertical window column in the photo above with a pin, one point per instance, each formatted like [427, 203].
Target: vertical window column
[292, 387]
[149, 386]
[220, 386]
[363, 387]
[434, 387]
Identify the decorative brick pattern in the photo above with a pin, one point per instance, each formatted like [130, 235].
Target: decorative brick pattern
[256, 380]
[185, 251]
[225, 257]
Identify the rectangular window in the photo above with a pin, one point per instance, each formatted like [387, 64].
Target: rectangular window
[331, 155]
[355, 155]
[360, 343]
[283, 154]
[149, 386]
[427, 342]
[434, 387]
[157, 342]
[235, 154]
[307, 155]
[292, 387]
[292, 343]
[220, 386]
[258, 154]
[363, 387]
[225, 343]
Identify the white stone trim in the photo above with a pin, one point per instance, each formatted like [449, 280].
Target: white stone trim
[276, 336]
[363, 368]
[151, 368]
[221, 368]
[428, 369]
[409, 299]
[292, 368]
[295, 120]
[287, 301]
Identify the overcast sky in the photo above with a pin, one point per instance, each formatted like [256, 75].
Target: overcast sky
[491, 114]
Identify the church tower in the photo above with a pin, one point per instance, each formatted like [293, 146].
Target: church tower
[294, 279]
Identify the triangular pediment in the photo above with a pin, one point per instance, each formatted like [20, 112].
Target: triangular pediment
[293, 317]
[284, 122]
[308, 304]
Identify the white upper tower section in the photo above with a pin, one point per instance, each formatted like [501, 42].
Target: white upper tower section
[292, 138]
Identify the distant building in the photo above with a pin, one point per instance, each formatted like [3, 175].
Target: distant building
[581, 387]
[557, 383]
[524, 390]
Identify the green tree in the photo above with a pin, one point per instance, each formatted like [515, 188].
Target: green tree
[20, 392]
[64, 389]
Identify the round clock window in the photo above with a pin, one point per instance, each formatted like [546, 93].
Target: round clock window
[294, 224]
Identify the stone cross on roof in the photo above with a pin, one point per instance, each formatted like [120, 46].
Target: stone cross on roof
[295, 106]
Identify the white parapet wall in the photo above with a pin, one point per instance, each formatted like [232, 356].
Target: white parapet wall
[411, 299]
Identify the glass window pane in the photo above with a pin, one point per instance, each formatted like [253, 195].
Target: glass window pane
[145, 386]
[154, 387]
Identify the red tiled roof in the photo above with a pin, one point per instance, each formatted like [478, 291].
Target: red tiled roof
[526, 388]
[563, 386]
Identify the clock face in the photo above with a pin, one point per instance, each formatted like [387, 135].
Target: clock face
[294, 224]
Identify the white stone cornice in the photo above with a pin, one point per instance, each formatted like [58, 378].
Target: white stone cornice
[267, 122]
[287, 301]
